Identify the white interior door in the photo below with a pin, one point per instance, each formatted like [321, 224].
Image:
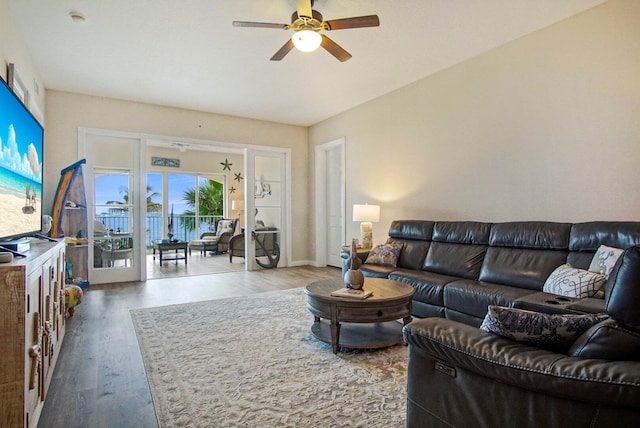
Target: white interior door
[330, 202]
[267, 209]
[116, 229]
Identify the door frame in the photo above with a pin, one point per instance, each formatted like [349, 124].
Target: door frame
[141, 170]
[250, 154]
[322, 193]
[87, 137]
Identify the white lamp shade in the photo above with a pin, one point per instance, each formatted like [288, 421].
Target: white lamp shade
[237, 205]
[306, 40]
[370, 213]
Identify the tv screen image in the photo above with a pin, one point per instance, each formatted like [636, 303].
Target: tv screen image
[21, 154]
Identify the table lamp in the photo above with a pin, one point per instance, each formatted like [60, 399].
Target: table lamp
[366, 214]
[237, 205]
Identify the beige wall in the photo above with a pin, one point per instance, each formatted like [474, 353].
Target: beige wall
[543, 128]
[13, 50]
[66, 112]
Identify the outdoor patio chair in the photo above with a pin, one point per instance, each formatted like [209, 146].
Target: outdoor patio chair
[217, 242]
[267, 248]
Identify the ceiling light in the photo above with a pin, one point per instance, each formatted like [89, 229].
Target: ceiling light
[306, 40]
[77, 16]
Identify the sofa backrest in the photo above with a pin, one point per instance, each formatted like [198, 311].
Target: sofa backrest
[458, 248]
[622, 293]
[524, 254]
[415, 236]
[521, 254]
[585, 239]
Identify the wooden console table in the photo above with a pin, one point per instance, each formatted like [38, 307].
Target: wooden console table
[32, 325]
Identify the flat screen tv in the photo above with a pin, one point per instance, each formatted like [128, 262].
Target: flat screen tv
[21, 155]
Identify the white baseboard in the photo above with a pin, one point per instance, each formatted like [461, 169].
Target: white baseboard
[303, 263]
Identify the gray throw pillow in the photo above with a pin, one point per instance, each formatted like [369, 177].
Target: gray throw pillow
[554, 332]
[386, 254]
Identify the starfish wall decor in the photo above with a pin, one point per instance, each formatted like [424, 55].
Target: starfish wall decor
[226, 165]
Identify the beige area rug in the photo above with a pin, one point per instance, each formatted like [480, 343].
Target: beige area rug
[253, 362]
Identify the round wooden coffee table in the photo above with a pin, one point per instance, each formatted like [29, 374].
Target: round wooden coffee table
[360, 324]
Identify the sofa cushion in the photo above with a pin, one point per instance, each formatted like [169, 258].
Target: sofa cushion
[522, 268]
[607, 340]
[426, 310]
[473, 297]
[573, 282]
[429, 286]
[384, 254]
[604, 260]
[376, 271]
[555, 332]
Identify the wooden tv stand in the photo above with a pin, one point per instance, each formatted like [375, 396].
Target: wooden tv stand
[32, 322]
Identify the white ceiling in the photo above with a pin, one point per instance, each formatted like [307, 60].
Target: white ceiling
[187, 54]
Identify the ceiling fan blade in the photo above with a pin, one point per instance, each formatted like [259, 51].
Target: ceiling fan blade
[334, 49]
[304, 8]
[260, 25]
[355, 22]
[283, 51]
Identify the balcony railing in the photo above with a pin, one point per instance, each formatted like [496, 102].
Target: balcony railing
[183, 226]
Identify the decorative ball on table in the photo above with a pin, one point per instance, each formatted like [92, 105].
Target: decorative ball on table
[353, 278]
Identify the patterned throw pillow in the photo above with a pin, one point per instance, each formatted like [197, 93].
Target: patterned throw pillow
[573, 282]
[604, 259]
[554, 332]
[386, 254]
[224, 226]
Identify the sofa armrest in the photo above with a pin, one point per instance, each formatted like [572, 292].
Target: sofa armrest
[590, 305]
[362, 253]
[555, 304]
[345, 253]
[615, 383]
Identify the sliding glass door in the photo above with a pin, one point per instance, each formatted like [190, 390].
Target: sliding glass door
[188, 205]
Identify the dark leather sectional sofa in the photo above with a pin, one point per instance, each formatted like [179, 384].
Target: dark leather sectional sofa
[459, 268]
[460, 376]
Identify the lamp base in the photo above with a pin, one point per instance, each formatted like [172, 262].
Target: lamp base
[366, 231]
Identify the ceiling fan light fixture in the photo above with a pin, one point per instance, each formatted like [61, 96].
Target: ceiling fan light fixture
[306, 40]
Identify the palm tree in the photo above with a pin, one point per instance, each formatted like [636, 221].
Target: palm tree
[210, 202]
[124, 191]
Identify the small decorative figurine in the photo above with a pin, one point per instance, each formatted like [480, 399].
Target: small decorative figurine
[354, 278]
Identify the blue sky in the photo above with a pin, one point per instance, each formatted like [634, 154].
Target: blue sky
[108, 188]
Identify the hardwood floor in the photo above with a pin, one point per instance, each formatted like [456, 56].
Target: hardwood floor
[198, 264]
[99, 380]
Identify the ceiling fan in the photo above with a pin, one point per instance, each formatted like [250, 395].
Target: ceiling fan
[307, 25]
